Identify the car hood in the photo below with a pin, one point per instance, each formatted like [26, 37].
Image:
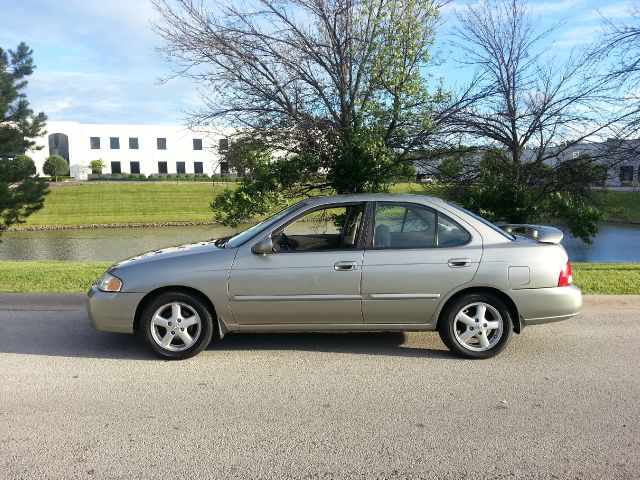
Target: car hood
[192, 265]
[170, 253]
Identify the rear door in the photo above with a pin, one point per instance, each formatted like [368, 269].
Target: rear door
[414, 257]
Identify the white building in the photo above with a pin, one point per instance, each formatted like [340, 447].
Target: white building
[137, 149]
[620, 159]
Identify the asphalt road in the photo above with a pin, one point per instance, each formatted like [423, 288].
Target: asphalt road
[562, 401]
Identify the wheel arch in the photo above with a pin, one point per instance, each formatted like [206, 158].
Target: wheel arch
[173, 288]
[513, 309]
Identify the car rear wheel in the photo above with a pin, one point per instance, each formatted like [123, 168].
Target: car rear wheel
[476, 325]
[176, 325]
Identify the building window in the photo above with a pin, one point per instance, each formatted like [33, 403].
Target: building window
[162, 167]
[133, 143]
[59, 145]
[95, 143]
[626, 175]
[114, 143]
[223, 144]
[180, 168]
[134, 167]
[224, 168]
[197, 167]
[115, 167]
[162, 143]
[197, 144]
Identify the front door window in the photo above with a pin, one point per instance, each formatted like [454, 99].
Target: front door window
[334, 228]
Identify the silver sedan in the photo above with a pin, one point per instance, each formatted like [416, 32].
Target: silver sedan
[346, 263]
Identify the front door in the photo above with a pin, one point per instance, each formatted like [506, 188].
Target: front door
[312, 277]
[417, 255]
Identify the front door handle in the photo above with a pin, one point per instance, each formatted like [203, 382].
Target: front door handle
[345, 266]
[459, 262]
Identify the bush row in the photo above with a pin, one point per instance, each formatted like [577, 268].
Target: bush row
[132, 177]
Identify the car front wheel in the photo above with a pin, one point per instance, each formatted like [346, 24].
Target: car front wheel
[176, 325]
[476, 326]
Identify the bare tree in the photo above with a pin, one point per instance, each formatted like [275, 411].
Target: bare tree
[532, 112]
[338, 88]
[308, 73]
[623, 40]
[619, 49]
[528, 98]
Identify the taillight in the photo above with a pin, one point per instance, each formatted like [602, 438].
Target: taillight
[566, 277]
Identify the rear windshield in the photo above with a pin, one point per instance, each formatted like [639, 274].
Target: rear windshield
[485, 221]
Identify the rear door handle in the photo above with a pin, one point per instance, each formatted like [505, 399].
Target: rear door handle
[459, 262]
[345, 266]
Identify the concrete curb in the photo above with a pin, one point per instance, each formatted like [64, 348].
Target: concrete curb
[74, 301]
[42, 301]
[611, 302]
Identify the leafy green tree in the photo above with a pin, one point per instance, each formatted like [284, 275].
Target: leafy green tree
[21, 191]
[338, 89]
[96, 166]
[272, 181]
[501, 190]
[55, 166]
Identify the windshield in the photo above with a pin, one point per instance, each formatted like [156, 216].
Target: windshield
[242, 237]
[485, 221]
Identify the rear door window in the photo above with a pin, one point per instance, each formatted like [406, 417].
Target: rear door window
[415, 226]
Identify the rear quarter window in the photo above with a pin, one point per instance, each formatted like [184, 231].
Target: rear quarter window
[450, 234]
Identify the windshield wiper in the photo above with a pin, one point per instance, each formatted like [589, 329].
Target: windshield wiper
[222, 241]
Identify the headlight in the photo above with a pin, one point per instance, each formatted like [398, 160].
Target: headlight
[109, 283]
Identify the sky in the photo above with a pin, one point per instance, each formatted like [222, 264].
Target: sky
[97, 63]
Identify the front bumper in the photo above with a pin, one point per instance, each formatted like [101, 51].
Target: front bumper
[112, 311]
[546, 305]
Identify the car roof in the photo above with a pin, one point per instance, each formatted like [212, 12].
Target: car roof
[374, 197]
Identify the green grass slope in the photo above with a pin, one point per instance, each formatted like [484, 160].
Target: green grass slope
[104, 203]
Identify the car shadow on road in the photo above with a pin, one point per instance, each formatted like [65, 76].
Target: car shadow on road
[64, 334]
[69, 334]
[425, 345]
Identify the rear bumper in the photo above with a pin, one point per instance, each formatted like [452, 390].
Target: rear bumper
[112, 312]
[546, 305]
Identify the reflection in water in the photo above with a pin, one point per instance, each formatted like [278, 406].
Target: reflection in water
[614, 243]
[103, 244]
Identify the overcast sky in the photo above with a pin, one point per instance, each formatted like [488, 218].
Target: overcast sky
[96, 60]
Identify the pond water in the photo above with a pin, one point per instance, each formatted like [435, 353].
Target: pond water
[614, 243]
[100, 244]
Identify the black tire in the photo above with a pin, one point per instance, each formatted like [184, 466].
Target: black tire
[453, 332]
[190, 308]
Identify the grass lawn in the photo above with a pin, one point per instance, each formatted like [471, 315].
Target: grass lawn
[620, 206]
[48, 276]
[607, 278]
[126, 203]
[36, 276]
[103, 203]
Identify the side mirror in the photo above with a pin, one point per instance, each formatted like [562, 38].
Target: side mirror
[263, 247]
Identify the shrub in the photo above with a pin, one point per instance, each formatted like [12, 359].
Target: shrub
[96, 166]
[55, 166]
